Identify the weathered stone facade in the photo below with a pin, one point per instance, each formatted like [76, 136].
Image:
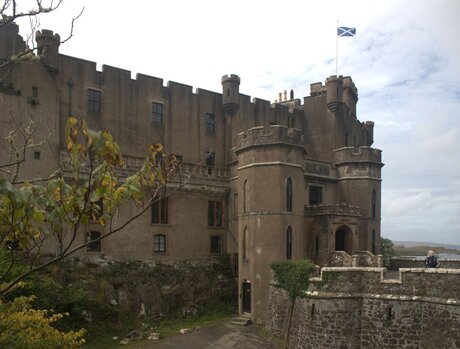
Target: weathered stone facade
[291, 179]
[359, 308]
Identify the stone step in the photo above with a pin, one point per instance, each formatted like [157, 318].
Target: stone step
[241, 320]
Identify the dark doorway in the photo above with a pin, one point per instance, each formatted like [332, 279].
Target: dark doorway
[340, 240]
[246, 297]
[344, 239]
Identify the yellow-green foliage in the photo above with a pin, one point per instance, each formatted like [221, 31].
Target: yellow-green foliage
[24, 327]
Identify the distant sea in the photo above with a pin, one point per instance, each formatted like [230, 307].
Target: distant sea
[439, 255]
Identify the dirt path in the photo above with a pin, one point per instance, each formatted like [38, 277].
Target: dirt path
[226, 336]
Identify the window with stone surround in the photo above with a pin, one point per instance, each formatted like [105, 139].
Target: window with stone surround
[160, 211]
[157, 113]
[215, 214]
[159, 243]
[210, 121]
[94, 101]
[91, 244]
[216, 244]
[315, 195]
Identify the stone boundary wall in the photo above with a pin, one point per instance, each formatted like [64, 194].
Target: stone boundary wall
[349, 308]
[400, 262]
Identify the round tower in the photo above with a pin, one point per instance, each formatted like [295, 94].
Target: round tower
[47, 44]
[230, 94]
[334, 87]
[271, 223]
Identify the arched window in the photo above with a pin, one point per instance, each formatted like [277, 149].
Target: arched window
[159, 243]
[374, 250]
[245, 196]
[289, 243]
[374, 200]
[245, 244]
[289, 195]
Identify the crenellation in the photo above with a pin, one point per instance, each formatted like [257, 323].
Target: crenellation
[274, 134]
[363, 153]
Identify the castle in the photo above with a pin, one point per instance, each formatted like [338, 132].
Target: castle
[293, 179]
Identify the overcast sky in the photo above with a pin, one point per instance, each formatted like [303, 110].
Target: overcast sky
[404, 60]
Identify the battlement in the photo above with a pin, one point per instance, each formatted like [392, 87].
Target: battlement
[272, 135]
[410, 283]
[232, 77]
[361, 154]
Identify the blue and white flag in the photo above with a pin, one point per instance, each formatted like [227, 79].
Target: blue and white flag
[345, 31]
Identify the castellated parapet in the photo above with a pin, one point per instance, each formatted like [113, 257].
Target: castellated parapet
[364, 309]
[361, 154]
[272, 135]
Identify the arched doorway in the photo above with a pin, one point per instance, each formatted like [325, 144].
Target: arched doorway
[344, 239]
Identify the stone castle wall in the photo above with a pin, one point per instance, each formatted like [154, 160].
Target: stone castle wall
[358, 308]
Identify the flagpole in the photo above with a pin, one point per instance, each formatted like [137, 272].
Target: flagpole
[337, 49]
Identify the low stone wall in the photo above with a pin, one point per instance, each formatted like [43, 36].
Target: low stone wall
[150, 288]
[400, 262]
[349, 308]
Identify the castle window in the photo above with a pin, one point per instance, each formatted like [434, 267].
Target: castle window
[289, 195]
[159, 243]
[34, 92]
[215, 214]
[91, 244]
[316, 195]
[37, 155]
[289, 243]
[245, 244]
[216, 244]
[160, 211]
[210, 121]
[374, 201]
[235, 206]
[94, 101]
[373, 241]
[157, 113]
[245, 196]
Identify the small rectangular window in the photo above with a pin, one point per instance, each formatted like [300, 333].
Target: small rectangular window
[160, 211]
[216, 244]
[215, 214]
[37, 155]
[159, 243]
[34, 92]
[316, 195]
[94, 101]
[210, 120]
[157, 113]
[91, 244]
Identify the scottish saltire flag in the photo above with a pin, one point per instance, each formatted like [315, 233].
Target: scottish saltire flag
[345, 31]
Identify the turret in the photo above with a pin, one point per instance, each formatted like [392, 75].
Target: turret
[334, 86]
[11, 43]
[369, 127]
[230, 94]
[47, 44]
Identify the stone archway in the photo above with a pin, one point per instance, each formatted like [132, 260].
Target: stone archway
[344, 239]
